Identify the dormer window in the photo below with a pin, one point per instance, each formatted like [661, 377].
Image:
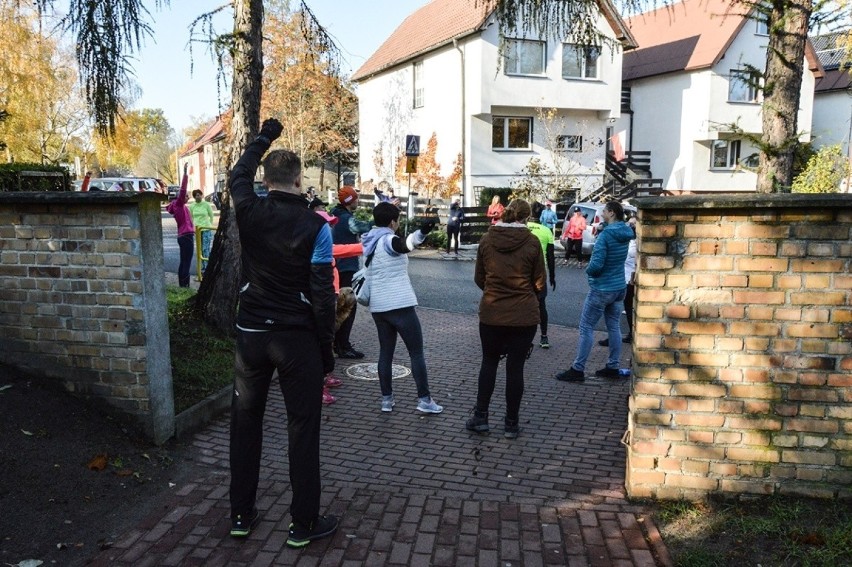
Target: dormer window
[523, 57]
[580, 62]
[418, 84]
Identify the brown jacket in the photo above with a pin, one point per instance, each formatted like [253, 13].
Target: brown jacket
[510, 273]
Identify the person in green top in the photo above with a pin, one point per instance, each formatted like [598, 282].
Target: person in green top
[545, 236]
[202, 217]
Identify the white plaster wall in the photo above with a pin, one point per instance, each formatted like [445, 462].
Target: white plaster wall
[669, 112]
[831, 116]
[551, 90]
[749, 48]
[706, 179]
[497, 168]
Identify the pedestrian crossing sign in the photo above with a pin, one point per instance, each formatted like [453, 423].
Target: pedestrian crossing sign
[412, 146]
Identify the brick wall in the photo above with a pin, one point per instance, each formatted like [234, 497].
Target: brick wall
[82, 299]
[742, 361]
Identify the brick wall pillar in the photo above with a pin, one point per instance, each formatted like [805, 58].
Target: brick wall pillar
[82, 298]
[742, 359]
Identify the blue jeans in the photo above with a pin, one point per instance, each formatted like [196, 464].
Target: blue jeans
[402, 322]
[206, 244]
[608, 304]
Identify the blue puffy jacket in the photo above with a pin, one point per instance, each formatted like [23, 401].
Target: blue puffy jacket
[606, 268]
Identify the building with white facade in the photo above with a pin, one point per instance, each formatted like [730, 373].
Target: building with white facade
[694, 98]
[832, 120]
[205, 157]
[441, 72]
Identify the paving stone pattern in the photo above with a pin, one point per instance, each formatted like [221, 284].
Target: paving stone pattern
[417, 489]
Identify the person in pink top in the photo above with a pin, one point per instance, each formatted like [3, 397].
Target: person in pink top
[185, 229]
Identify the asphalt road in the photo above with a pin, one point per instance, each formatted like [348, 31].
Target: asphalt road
[447, 285]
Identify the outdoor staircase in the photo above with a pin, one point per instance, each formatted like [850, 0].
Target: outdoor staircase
[628, 178]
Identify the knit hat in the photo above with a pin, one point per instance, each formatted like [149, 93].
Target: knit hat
[346, 195]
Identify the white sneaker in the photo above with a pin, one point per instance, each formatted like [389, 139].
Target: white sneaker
[388, 403]
[428, 405]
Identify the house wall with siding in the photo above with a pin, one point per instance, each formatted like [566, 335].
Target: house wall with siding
[82, 299]
[742, 356]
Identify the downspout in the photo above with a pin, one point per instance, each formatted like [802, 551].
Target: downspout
[463, 115]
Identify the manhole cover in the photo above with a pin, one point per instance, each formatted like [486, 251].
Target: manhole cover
[370, 371]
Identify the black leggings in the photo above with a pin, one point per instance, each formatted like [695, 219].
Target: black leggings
[451, 231]
[186, 243]
[515, 343]
[542, 311]
[575, 246]
[628, 307]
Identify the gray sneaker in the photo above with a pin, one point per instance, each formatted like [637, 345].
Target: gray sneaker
[388, 403]
[428, 405]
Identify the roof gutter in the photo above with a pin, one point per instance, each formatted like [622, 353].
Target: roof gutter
[463, 121]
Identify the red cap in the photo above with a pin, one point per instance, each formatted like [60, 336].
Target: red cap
[330, 219]
[346, 195]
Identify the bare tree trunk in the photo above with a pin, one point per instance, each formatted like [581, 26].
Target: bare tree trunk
[782, 90]
[217, 296]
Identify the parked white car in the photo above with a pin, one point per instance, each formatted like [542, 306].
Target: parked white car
[124, 184]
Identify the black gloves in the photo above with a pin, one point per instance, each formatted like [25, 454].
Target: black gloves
[426, 226]
[327, 358]
[271, 129]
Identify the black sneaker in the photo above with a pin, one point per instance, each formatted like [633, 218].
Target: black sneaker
[241, 524]
[571, 375]
[478, 422]
[511, 428]
[604, 342]
[608, 373]
[301, 535]
[544, 343]
[349, 352]
[627, 339]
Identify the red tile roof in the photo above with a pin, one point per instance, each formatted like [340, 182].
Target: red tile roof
[439, 22]
[215, 131]
[689, 35]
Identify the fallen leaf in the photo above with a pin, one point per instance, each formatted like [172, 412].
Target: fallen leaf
[99, 463]
[29, 563]
[25, 432]
[124, 472]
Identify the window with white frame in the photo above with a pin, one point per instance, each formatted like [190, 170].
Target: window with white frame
[761, 22]
[418, 84]
[724, 154]
[511, 133]
[523, 57]
[580, 62]
[569, 143]
[743, 86]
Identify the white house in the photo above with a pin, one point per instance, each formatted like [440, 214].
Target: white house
[693, 97]
[832, 121]
[442, 72]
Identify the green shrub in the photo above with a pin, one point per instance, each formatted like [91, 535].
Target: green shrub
[824, 172]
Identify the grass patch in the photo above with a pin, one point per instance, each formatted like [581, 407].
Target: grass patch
[772, 531]
[202, 359]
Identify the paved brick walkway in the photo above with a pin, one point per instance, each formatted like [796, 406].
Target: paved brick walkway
[415, 489]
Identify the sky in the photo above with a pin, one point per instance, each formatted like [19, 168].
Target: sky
[162, 68]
